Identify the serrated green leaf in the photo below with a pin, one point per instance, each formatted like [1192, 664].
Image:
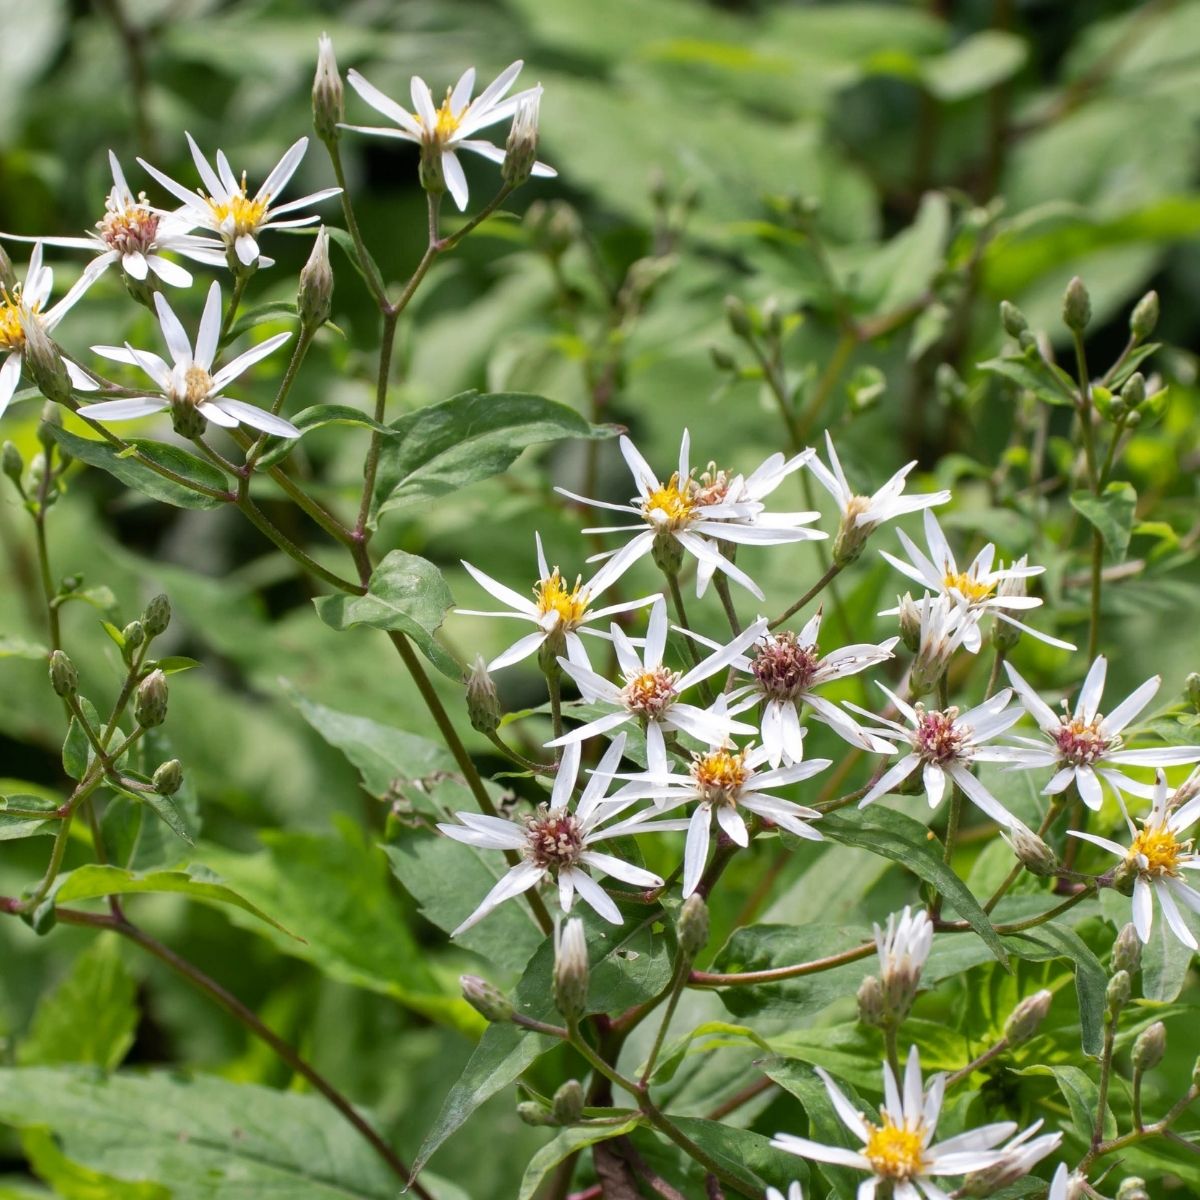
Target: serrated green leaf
[1111, 512]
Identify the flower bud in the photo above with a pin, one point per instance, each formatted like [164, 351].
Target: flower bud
[1077, 306]
[168, 779]
[872, 1007]
[187, 420]
[910, 623]
[738, 317]
[328, 95]
[1133, 394]
[1024, 1020]
[157, 616]
[43, 360]
[64, 679]
[150, 704]
[722, 359]
[12, 464]
[486, 999]
[1013, 319]
[1035, 856]
[133, 635]
[1127, 951]
[571, 970]
[1117, 994]
[1144, 317]
[693, 926]
[851, 537]
[567, 1106]
[314, 300]
[430, 173]
[667, 554]
[520, 151]
[1150, 1047]
[483, 705]
[1132, 1187]
[532, 1113]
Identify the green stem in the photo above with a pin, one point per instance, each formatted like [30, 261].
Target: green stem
[375, 448]
[256, 518]
[721, 584]
[890, 1031]
[1097, 581]
[675, 989]
[681, 613]
[846, 343]
[831, 573]
[993, 1052]
[1106, 1057]
[235, 302]
[1056, 806]
[370, 272]
[994, 676]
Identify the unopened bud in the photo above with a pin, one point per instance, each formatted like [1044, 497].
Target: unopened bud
[722, 359]
[133, 635]
[667, 554]
[430, 172]
[483, 705]
[738, 317]
[1144, 318]
[535, 1114]
[1013, 319]
[1133, 394]
[1077, 306]
[43, 360]
[486, 999]
[1133, 1187]
[520, 151]
[328, 95]
[1024, 1020]
[1191, 689]
[1127, 951]
[157, 616]
[1035, 856]
[314, 300]
[12, 464]
[693, 926]
[571, 970]
[872, 1007]
[910, 623]
[1150, 1047]
[150, 704]
[64, 679]
[851, 536]
[567, 1105]
[168, 779]
[1117, 994]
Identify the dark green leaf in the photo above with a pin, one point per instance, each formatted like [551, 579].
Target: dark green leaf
[975, 65]
[1082, 1096]
[1111, 512]
[743, 1154]
[318, 417]
[1035, 375]
[566, 1143]
[270, 310]
[1091, 979]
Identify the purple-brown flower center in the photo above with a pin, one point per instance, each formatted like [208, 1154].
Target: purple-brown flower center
[555, 838]
[1080, 742]
[650, 693]
[938, 738]
[783, 667]
[129, 230]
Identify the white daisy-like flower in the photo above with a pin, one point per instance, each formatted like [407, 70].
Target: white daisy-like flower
[726, 781]
[696, 513]
[226, 207]
[28, 301]
[786, 669]
[985, 588]
[794, 1192]
[900, 1151]
[944, 745]
[862, 515]
[1021, 1154]
[136, 235]
[444, 130]
[944, 624]
[557, 842]
[650, 693]
[1067, 1184]
[1085, 745]
[903, 947]
[560, 613]
[189, 381]
[1156, 856]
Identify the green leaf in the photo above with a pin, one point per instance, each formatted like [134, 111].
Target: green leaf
[196, 883]
[893, 835]
[200, 1139]
[11, 647]
[744, 1154]
[1111, 512]
[1034, 374]
[270, 310]
[975, 65]
[90, 1017]
[167, 808]
[441, 448]
[13, 827]
[317, 417]
[343, 239]
[1091, 979]
[173, 664]
[71, 1181]
[1165, 963]
[141, 477]
[566, 1143]
[407, 594]
[1081, 1094]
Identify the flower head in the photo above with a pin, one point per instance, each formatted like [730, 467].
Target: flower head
[226, 206]
[1085, 745]
[188, 385]
[442, 130]
[1020, 1154]
[903, 948]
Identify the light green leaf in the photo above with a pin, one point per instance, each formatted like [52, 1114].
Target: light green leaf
[13, 827]
[1033, 374]
[317, 417]
[1091, 979]
[1081, 1094]
[975, 65]
[1111, 512]
[12, 647]
[566, 1143]
[744, 1154]
[407, 594]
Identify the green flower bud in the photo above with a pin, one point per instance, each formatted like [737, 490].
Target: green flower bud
[430, 172]
[1117, 995]
[43, 360]
[1144, 318]
[1150, 1047]
[328, 95]
[64, 679]
[910, 623]
[187, 420]
[1024, 1020]
[738, 317]
[150, 703]
[722, 359]
[1133, 394]
[532, 1113]
[567, 1106]
[1133, 1188]
[314, 300]
[1191, 689]
[134, 634]
[571, 970]
[168, 779]
[486, 999]
[872, 1005]
[483, 705]
[1077, 306]
[1013, 319]
[1035, 856]
[520, 150]
[12, 464]
[667, 554]
[157, 616]
[693, 926]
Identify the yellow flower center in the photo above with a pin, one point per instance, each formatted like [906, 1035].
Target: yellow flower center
[554, 597]
[12, 336]
[651, 693]
[895, 1151]
[967, 586]
[720, 775]
[240, 210]
[445, 124]
[197, 384]
[674, 500]
[1160, 849]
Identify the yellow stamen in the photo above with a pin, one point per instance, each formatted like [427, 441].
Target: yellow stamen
[1159, 847]
[198, 383]
[720, 774]
[967, 585]
[895, 1151]
[553, 596]
[245, 213]
[12, 336]
[674, 500]
[445, 124]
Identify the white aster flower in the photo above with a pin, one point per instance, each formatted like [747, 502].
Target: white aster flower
[945, 744]
[25, 302]
[189, 382]
[650, 694]
[945, 623]
[558, 840]
[861, 515]
[443, 131]
[1156, 856]
[726, 781]
[1085, 745]
[900, 1150]
[136, 235]
[226, 207]
[903, 947]
[1068, 1184]
[794, 1192]
[985, 588]
[1021, 1154]
[696, 513]
[560, 613]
